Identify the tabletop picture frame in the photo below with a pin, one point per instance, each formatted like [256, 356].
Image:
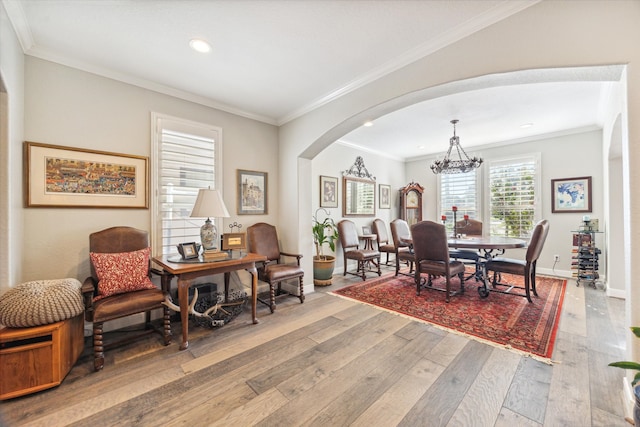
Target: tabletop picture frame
[328, 192]
[253, 193]
[68, 177]
[571, 195]
[188, 250]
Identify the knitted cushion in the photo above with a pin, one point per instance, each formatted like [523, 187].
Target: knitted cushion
[122, 272]
[41, 302]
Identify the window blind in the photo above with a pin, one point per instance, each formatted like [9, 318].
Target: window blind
[512, 186]
[460, 190]
[186, 162]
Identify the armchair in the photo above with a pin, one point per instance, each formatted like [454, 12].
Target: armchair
[380, 229]
[432, 256]
[470, 227]
[526, 267]
[350, 249]
[119, 285]
[399, 231]
[263, 239]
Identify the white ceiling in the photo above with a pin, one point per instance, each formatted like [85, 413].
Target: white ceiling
[276, 60]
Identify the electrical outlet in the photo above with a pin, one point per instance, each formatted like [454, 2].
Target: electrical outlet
[556, 258]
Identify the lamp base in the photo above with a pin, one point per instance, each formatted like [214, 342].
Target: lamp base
[208, 235]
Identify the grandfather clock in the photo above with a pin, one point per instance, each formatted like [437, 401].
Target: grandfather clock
[411, 203]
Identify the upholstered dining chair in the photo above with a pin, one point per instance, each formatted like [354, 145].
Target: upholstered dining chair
[526, 267]
[119, 285]
[350, 249]
[432, 257]
[400, 233]
[469, 227]
[262, 239]
[380, 230]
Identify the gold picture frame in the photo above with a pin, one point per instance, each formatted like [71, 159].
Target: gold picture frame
[231, 241]
[58, 176]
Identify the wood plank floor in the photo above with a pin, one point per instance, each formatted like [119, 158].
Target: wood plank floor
[333, 362]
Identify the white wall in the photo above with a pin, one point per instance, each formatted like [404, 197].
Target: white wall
[11, 136]
[338, 158]
[68, 107]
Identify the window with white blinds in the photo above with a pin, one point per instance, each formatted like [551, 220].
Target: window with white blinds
[460, 190]
[186, 159]
[513, 188]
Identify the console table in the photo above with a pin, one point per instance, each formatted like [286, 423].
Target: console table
[186, 272]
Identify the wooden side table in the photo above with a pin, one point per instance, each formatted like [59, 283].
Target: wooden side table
[368, 240]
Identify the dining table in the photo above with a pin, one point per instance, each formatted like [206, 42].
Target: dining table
[488, 246]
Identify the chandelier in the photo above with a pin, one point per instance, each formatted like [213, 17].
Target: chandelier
[462, 164]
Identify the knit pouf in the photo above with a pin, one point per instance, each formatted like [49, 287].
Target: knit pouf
[41, 302]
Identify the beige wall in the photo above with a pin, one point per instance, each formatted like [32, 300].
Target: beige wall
[65, 106]
[11, 136]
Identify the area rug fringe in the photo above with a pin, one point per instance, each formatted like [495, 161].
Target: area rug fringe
[546, 360]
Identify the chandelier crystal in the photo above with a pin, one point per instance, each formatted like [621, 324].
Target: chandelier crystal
[460, 165]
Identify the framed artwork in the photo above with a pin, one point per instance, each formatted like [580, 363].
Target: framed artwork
[571, 195]
[57, 176]
[232, 241]
[188, 250]
[328, 192]
[384, 196]
[252, 192]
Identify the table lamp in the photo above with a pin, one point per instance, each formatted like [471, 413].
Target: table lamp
[209, 204]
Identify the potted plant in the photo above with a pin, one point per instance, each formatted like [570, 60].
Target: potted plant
[636, 379]
[324, 232]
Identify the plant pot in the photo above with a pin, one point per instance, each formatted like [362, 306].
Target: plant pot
[636, 406]
[323, 270]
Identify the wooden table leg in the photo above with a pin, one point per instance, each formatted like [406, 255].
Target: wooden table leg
[254, 293]
[183, 298]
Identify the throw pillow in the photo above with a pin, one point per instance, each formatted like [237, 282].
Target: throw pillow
[121, 272]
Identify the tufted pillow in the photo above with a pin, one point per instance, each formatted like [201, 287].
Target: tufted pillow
[121, 272]
[41, 302]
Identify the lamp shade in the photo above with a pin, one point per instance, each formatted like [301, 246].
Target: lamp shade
[209, 204]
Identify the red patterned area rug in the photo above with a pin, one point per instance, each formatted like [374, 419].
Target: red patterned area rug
[506, 320]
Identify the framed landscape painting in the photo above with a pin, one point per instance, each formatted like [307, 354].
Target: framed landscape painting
[571, 195]
[57, 176]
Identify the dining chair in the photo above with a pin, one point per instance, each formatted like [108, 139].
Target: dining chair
[380, 230]
[350, 248]
[400, 233]
[119, 285]
[526, 267]
[469, 227]
[432, 257]
[262, 239]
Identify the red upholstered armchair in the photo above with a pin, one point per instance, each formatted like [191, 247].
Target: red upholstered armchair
[119, 284]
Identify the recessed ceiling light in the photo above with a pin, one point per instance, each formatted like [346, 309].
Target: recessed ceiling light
[526, 125]
[368, 123]
[200, 45]
[420, 147]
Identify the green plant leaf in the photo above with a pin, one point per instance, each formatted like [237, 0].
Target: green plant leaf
[636, 330]
[626, 365]
[635, 379]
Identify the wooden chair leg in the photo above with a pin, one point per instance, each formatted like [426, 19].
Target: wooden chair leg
[98, 347]
[272, 297]
[301, 296]
[166, 325]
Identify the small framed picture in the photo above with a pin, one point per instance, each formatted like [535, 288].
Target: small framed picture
[366, 230]
[384, 196]
[252, 192]
[328, 192]
[188, 250]
[571, 195]
[232, 241]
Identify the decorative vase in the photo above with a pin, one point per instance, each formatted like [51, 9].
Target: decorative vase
[323, 270]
